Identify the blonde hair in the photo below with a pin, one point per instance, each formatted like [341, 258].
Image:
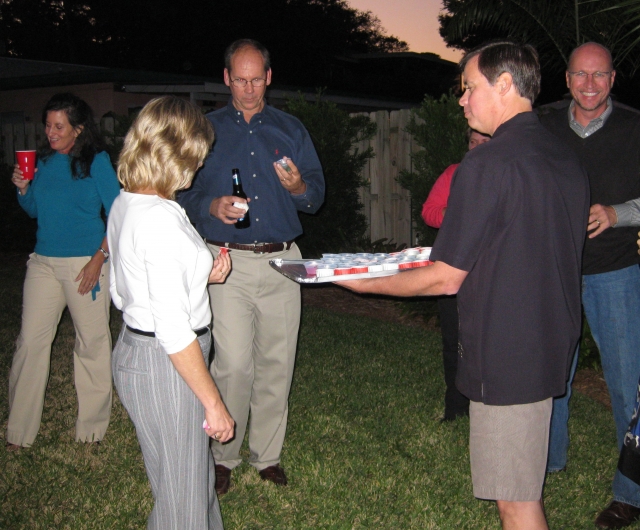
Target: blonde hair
[164, 147]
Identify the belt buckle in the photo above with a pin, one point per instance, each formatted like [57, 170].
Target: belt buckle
[256, 245]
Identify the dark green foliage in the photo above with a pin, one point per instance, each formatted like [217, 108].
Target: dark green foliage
[340, 223]
[305, 37]
[439, 128]
[554, 28]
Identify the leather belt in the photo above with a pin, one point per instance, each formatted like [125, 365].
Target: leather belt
[198, 332]
[258, 248]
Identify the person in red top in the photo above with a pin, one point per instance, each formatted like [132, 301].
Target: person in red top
[436, 204]
[433, 210]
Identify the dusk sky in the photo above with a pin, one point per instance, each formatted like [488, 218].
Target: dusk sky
[413, 21]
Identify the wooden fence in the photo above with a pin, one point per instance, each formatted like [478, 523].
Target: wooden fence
[18, 137]
[386, 204]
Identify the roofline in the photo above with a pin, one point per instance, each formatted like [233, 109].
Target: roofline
[220, 92]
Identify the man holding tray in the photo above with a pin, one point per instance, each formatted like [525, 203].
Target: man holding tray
[256, 313]
[510, 246]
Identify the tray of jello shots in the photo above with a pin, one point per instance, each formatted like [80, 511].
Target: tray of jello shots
[337, 267]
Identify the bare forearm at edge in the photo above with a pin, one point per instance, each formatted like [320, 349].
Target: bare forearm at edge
[190, 365]
[437, 279]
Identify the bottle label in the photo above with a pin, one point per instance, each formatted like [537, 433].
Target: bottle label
[242, 205]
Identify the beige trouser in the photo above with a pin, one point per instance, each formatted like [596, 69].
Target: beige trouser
[48, 288]
[256, 316]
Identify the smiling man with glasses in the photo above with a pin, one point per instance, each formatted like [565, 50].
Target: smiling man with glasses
[606, 137]
[596, 76]
[590, 78]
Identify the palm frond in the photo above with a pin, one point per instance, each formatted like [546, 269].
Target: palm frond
[554, 28]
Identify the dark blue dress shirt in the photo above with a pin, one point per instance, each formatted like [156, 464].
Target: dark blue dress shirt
[253, 148]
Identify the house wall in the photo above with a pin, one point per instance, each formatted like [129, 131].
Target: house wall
[101, 97]
[24, 129]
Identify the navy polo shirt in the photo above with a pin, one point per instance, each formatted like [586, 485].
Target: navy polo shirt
[253, 148]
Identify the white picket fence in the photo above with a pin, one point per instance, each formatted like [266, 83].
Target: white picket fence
[386, 204]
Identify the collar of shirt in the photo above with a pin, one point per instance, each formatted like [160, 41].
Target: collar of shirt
[238, 115]
[593, 125]
[517, 121]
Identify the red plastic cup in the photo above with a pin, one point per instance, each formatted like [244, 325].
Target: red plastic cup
[27, 163]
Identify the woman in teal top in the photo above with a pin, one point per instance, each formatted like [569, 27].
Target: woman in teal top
[73, 183]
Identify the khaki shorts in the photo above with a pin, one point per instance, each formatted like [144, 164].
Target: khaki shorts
[508, 447]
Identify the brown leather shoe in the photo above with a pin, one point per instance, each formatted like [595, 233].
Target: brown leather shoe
[275, 474]
[223, 479]
[618, 515]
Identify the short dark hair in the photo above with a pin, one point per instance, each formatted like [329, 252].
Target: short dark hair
[88, 143]
[241, 44]
[519, 60]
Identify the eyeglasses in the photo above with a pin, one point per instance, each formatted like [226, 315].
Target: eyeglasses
[241, 83]
[597, 76]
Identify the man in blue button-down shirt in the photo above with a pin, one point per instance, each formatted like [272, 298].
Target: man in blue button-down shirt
[257, 311]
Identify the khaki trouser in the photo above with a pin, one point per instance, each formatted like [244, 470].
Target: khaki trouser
[48, 288]
[256, 316]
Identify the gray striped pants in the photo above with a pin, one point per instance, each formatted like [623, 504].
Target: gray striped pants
[168, 420]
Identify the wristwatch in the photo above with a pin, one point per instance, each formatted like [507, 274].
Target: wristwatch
[104, 253]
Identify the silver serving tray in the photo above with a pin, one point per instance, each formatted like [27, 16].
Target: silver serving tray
[295, 270]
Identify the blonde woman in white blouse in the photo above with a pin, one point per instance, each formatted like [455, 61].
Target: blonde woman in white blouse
[160, 268]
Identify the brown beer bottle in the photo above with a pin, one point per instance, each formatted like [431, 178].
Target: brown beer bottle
[243, 222]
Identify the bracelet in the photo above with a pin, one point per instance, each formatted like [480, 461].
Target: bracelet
[104, 253]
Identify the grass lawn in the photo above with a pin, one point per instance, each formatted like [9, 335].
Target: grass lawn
[364, 447]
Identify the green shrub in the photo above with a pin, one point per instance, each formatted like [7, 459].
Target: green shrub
[340, 225]
[438, 126]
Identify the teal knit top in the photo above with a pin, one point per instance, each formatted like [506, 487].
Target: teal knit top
[69, 210]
